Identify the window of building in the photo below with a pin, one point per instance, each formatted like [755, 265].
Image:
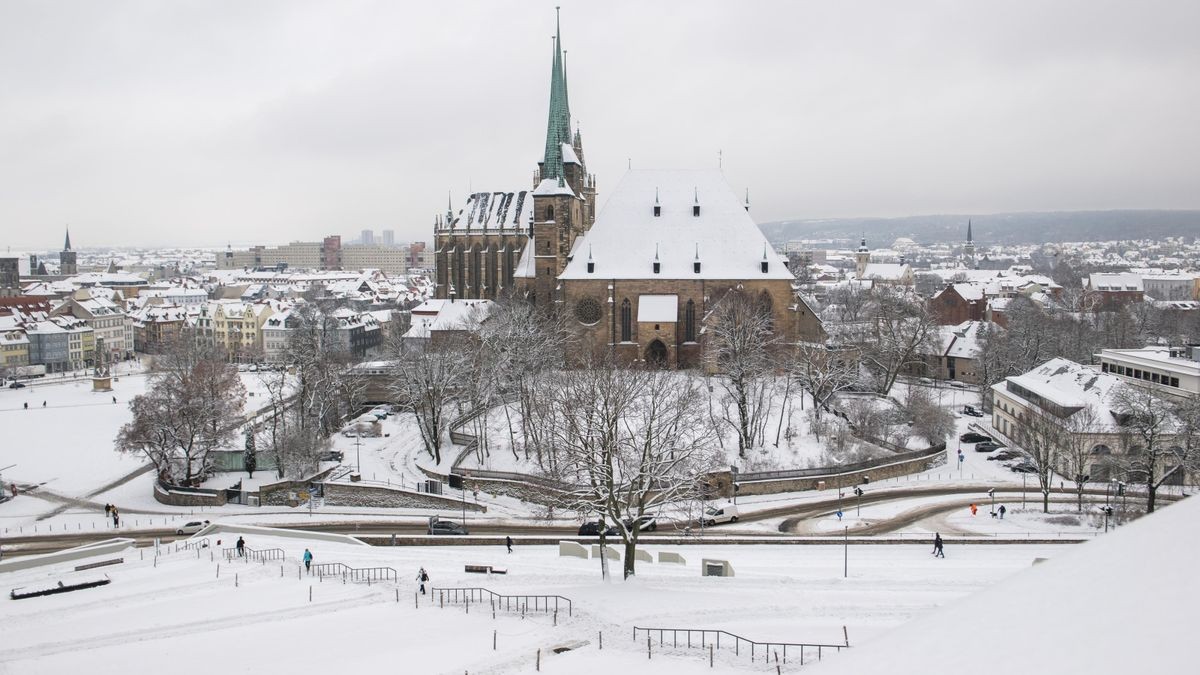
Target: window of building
[626, 321]
[689, 321]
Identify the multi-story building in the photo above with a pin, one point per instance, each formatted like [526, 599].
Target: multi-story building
[10, 277]
[277, 336]
[14, 348]
[389, 237]
[367, 237]
[109, 322]
[1105, 289]
[155, 327]
[1174, 370]
[957, 303]
[1170, 286]
[237, 329]
[387, 259]
[48, 346]
[81, 341]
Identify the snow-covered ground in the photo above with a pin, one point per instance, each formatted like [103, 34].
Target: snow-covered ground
[156, 613]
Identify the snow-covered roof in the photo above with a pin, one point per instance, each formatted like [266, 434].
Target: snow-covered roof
[658, 308]
[627, 235]
[1066, 384]
[1114, 282]
[496, 210]
[526, 269]
[995, 632]
[568, 154]
[449, 316]
[550, 187]
[885, 271]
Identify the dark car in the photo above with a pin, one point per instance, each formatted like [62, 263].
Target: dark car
[972, 437]
[590, 529]
[446, 527]
[987, 447]
[1024, 467]
[645, 524]
[16, 385]
[970, 410]
[1004, 454]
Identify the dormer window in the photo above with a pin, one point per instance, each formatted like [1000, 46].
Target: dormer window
[591, 267]
[764, 266]
[696, 210]
[657, 210]
[657, 267]
[696, 267]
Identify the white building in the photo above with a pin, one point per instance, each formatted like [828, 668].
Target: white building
[1176, 369]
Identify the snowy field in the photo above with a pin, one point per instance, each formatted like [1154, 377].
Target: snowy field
[66, 446]
[159, 614]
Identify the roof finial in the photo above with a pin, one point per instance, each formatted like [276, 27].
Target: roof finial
[656, 195]
[764, 250]
[656, 250]
[697, 250]
[589, 252]
[696, 192]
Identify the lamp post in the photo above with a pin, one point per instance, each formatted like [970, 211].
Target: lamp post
[992, 494]
[858, 499]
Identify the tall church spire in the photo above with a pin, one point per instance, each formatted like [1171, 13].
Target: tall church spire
[558, 124]
[67, 243]
[968, 230]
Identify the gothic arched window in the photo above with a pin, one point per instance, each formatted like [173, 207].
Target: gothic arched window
[459, 274]
[689, 322]
[476, 276]
[508, 266]
[626, 321]
[492, 278]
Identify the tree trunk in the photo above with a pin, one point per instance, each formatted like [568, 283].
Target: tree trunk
[1151, 490]
[630, 558]
[1046, 501]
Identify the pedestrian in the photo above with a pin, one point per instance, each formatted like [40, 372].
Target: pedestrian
[508, 543]
[43, 404]
[116, 518]
[27, 405]
[241, 547]
[937, 546]
[307, 559]
[14, 489]
[107, 510]
[422, 577]
[114, 399]
[974, 509]
[1003, 510]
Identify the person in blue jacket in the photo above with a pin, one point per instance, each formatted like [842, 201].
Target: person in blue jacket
[307, 559]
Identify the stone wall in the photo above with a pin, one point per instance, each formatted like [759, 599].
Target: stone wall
[379, 496]
[279, 494]
[851, 478]
[167, 495]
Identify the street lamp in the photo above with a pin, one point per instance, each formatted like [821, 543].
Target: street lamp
[992, 494]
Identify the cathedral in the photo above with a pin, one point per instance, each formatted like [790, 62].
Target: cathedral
[637, 279]
[519, 241]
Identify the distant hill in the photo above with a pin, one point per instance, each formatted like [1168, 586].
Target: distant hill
[997, 228]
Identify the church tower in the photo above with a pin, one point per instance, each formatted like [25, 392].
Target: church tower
[862, 258]
[564, 194]
[66, 258]
[969, 248]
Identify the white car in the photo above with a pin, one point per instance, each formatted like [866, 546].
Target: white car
[725, 514]
[192, 527]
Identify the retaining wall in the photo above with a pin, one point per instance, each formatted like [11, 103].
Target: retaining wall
[380, 496]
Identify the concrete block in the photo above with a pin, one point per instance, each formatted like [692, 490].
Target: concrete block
[572, 549]
[670, 557]
[644, 556]
[609, 551]
[710, 567]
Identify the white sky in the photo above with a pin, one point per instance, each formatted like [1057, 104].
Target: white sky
[201, 123]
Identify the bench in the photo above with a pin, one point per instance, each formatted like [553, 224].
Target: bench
[102, 563]
[483, 569]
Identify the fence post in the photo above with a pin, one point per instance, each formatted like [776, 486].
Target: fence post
[218, 570]
[494, 640]
[647, 645]
[601, 639]
[710, 656]
[539, 660]
[310, 592]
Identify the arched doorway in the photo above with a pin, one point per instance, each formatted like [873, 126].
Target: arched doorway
[656, 354]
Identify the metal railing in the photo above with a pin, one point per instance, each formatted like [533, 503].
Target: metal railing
[260, 554]
[713, 636]
[928, 453]
[346, 572]
[468, 594]
[192, 544]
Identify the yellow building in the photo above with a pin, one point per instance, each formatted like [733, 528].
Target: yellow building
[14, 348]
[237, 329]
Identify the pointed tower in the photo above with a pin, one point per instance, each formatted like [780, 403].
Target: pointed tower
[969, 248]
[66, 258]
[564, 194]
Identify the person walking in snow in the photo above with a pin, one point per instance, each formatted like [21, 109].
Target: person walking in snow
[307, 559]
[43, 404]
[974, 510]
[241, 547]
[116, 518]
[114, 399]
[422, 577]
[937, 546]
[1003, 510]
[27, 405]
[508, 543]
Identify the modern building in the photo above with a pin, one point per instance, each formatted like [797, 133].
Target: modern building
[48, 346]
[367, 238]
[1174, 370]
[389, 237]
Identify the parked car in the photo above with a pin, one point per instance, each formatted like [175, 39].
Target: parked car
[645, 524]
[1004, 455]
[192, 527]
[16, 385]
[972, 437]
[725, 514]
[590, 529]
[332, 456]
[958, 385]
[925, 380]
[446, 527]
[1024, 467]
[381, 412]
[970, 410]
[987, 447]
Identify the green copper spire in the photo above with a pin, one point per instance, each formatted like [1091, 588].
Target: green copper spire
[558, 125]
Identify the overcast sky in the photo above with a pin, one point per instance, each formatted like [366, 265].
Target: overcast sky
[201, 123]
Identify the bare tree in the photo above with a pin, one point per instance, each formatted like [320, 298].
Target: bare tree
[631, 440]
[1076, 451]
[1149, 428]
[894, 339]
[929, 420]
[192, 407]
[1040, 434]
[429, 379]
[823, 373]
[738, 346]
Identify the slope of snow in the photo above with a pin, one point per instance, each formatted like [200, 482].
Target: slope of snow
[1118, 604]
